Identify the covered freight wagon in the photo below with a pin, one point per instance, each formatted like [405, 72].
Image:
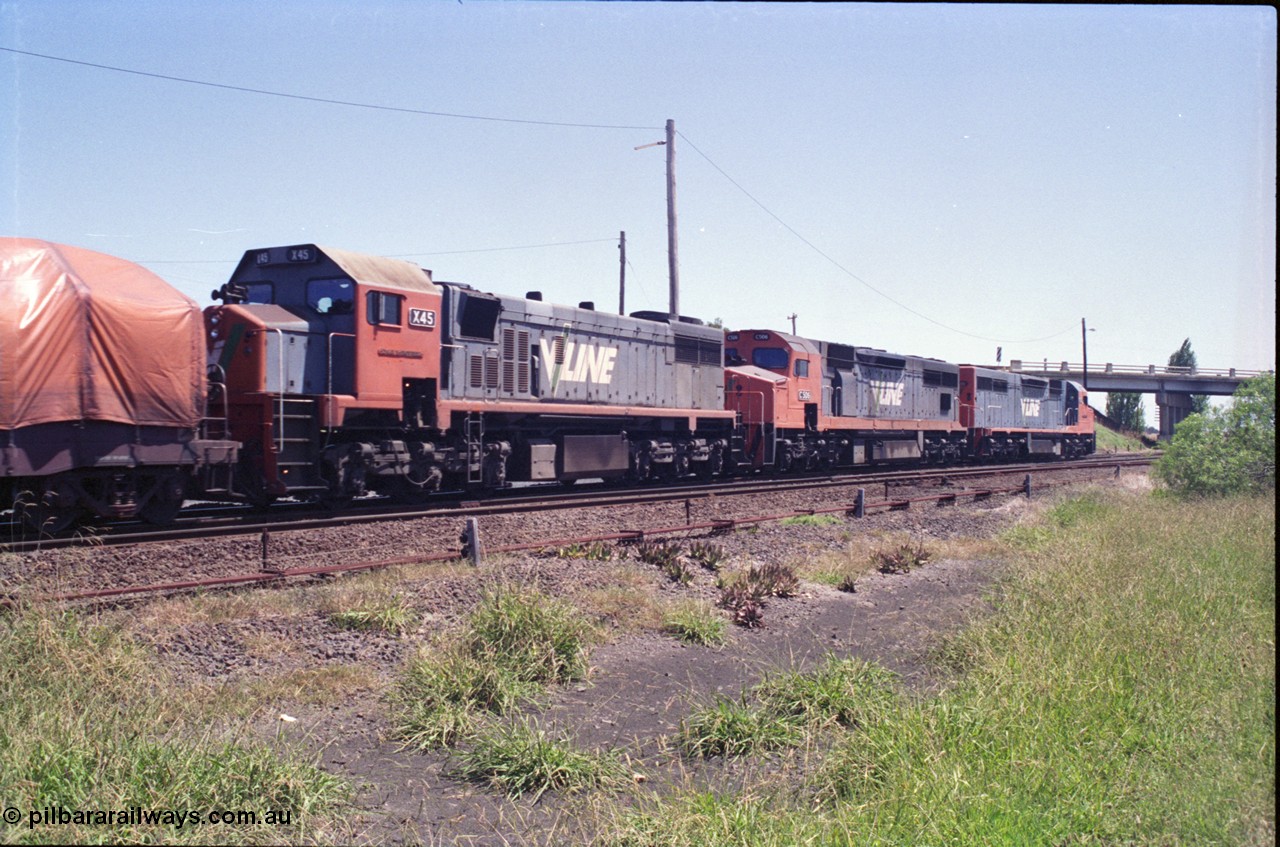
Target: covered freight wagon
[102, 386]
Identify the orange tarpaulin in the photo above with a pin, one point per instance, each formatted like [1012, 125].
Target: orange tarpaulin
[86, 336]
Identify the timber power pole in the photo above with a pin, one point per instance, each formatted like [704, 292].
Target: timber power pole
[622, 273]
[673, 262]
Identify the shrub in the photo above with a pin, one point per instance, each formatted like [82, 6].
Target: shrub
[1226, 452]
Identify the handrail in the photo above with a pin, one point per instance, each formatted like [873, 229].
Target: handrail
[217, 387]
[1020, 366]
[280, 365]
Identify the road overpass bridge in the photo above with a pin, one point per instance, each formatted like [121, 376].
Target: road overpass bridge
[1172, 385]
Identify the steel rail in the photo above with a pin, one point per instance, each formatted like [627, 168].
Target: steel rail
[538, 500]
[272, 576]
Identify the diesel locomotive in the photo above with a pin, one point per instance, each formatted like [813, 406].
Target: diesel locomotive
[342, 374]
[326, 374]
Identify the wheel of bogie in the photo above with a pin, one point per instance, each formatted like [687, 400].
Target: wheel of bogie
[165, 502]
[44, 519]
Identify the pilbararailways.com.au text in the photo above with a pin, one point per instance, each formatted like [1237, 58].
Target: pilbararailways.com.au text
[138, 816]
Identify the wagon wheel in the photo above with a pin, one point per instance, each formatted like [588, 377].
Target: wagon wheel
[43, 517]
[166, 499]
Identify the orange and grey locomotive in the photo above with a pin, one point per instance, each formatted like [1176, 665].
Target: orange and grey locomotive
[326, 374]
[343, 374]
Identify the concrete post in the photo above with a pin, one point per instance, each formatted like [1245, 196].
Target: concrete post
[1173, 407]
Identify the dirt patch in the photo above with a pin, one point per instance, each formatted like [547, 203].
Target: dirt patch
[640, 688]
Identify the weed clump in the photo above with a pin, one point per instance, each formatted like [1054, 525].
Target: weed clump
[901, 558]
[785, 709]
[596, 551]
[733, 728]
[515, 642]
[707, 554]
[695, 623]
[744, 593]
[393, 615]
[523, 758]
[667, 557]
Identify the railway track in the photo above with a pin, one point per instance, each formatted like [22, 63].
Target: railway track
[220, 521]
[876, 491]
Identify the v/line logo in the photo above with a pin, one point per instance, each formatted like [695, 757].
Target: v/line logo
[573, 362]
[886, 392]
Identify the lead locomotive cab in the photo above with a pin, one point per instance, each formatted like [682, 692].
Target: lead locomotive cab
[327, 365]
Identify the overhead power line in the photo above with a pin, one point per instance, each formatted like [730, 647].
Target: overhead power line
[499, 249]
[311, 99]
[850, 273]
[460, 116]
[394, 255]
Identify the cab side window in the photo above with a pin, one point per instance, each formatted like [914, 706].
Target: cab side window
[331, 296]
[381, 308]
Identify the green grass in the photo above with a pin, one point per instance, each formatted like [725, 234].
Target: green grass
[734, 728]
[788, 708]
[392, 615]
[812, 520]
[515, 642]
[523, 758]
[1118, 442]
[696, 622]
[1122, 693]
[90, 723]
[839, 692]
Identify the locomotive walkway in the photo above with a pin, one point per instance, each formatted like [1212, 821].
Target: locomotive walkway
[1173, 386]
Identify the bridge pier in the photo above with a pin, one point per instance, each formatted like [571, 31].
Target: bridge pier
[1173, 406]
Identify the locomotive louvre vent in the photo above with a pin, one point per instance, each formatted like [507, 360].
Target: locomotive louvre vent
[515, 360]
[522, 363]
[942, 379]
[697, 351]
[491, 372]
[477, 372]
[508, 359]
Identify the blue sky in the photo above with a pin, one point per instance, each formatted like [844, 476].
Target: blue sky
[930, 179]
